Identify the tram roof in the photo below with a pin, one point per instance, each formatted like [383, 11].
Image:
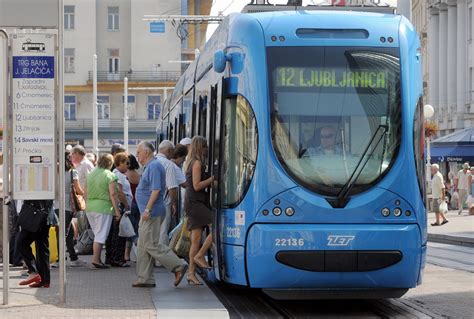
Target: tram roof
[326, 18]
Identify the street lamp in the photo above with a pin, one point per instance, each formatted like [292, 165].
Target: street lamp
[428, 112]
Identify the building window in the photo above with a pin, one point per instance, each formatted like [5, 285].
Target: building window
[70, 107]
[68, 17]
[471, 85]
[113, 18]
[130, 107]
[114, 60]
[154, 107]
[103, 107]
[69, 60]
[469, 24]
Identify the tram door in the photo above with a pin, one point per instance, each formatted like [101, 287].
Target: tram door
[214, 163]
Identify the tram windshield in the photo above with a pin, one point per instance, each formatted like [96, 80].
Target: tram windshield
[327, 104]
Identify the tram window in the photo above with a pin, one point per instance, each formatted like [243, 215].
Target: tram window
[419, 145]
[240, 143]
[202, 115]
[187, 114]
[333, 108]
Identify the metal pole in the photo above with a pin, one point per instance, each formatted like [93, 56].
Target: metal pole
[428, 159]
[60, 152]
[6, 164]
[125, 113]
[95, 124]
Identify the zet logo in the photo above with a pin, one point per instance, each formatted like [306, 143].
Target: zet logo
[338, 240]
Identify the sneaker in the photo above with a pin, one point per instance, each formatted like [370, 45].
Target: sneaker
[55, 264]
[77, 263]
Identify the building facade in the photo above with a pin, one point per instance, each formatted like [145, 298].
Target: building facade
[446, 28]
[126, 46]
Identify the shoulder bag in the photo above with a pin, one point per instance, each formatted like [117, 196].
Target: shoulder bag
[78, 202]
[33, 216]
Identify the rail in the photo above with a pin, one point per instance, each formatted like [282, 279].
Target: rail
[137, 76]
[141, 124]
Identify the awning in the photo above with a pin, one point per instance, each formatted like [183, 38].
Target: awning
[454, 147]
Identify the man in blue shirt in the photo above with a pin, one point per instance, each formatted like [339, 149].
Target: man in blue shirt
[149, 196]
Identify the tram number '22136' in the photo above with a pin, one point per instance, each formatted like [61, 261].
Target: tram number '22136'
[289, 242]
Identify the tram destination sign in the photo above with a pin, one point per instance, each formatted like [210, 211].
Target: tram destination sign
[33, 112]
[330, 78]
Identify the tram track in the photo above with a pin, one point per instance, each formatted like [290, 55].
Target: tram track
[253, 303]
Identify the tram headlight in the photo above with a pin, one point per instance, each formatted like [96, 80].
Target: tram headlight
[397, 212]
[276, 211]
[385, 212]
[289, 211]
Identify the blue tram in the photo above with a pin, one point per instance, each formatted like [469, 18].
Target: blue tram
[315, 128]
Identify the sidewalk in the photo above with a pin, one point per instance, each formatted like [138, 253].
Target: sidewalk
[89, 294]
[108, 293]
[459, 230]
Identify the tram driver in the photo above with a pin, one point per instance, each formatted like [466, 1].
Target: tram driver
[328, 145]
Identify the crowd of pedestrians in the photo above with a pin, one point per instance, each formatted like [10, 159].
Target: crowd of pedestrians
[146, 189]
[456, 192]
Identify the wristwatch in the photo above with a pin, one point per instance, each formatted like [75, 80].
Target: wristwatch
[147, 210]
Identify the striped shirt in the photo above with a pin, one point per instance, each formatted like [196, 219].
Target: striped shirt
[171, 181]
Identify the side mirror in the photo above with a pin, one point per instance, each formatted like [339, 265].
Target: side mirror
[236, 62]
[220, 60]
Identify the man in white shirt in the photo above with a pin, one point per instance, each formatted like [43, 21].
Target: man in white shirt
[82, 165]
[165, 151]
[461, 185]
[437, 188]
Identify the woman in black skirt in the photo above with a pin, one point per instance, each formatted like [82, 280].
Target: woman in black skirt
[196, 205]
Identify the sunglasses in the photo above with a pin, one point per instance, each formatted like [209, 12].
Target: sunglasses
[328, 136]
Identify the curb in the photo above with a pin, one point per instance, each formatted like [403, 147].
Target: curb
[452, 240]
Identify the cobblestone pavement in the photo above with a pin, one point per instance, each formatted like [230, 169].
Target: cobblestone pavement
[89, 294]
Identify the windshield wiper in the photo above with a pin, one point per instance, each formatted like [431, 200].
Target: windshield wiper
[342, 197]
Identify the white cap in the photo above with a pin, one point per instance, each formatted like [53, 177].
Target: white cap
[185, 141]
[435, 166]
[68, 147]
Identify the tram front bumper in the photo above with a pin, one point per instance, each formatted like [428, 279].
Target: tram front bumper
[333, 256]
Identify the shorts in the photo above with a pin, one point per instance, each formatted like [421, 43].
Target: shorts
[100, 225]
[435, 205]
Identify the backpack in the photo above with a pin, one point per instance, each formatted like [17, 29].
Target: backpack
[85, 242]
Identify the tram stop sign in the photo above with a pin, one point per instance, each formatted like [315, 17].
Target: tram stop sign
[33, 94]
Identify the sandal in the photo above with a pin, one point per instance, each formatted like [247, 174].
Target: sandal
[201, 264]
[194, 281]
[179, 275]
[99, 266]
[445, 222]
[435, 224]
[121, 264]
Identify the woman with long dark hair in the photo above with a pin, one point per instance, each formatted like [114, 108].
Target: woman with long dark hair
[196, 205]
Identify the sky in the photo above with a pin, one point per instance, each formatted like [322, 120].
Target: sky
[230, 6]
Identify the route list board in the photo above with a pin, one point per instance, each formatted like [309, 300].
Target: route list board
[33, 114]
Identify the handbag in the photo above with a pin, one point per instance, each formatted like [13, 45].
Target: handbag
[33, 216]
[126, 227]
[443, 207]
[85, 243]
[175, 234]
[78, 202]
[184, 242]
